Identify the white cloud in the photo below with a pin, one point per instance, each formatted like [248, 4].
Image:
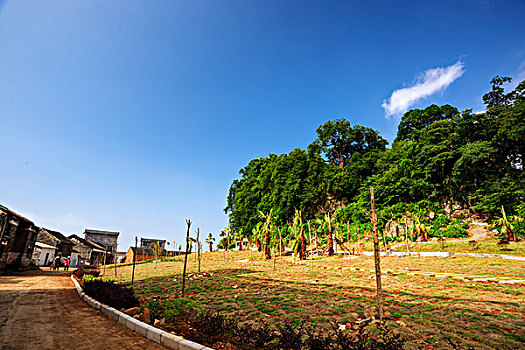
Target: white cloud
[428, 83]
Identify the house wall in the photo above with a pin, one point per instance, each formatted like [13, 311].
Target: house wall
[18, 237]
[84, 250]
[74, 259]
[138, 257]
[39, 256]
[106, 240]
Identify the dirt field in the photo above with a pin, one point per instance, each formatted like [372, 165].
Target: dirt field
[435, 302]
[42, 310]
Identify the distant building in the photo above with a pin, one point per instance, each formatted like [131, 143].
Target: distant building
[139, 254]
[43, 254]
[90, 253]
[63, 246]
[17, 240]
[150, 243]
[107, 239]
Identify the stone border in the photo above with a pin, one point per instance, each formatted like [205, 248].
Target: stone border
[169, 340]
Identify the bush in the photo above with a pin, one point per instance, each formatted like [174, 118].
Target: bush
[112, 294]
[519, 228]
[174, 308]
[86, 270]
[442, 226]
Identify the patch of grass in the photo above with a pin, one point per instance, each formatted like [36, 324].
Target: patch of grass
[471, 314]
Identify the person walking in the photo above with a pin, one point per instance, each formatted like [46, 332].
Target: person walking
[56, 263]
[66, 264]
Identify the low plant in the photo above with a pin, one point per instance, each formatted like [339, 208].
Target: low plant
[86, 270]
[110, 293]
[173, 308]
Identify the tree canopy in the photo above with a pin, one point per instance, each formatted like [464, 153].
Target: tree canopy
[440, 155]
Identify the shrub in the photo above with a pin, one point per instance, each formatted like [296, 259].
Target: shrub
[112, 294]
[177, 307]
[86, 270]
[154, 308]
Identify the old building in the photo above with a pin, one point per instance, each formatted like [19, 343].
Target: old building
[150, 243]
[63, 246]
[43, 254]
[90, 253]
[139, 254]
[107, 239]
[17, 240]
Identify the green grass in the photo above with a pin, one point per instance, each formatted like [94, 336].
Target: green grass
[433, 308]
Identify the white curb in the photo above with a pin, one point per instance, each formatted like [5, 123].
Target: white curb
[157, 335]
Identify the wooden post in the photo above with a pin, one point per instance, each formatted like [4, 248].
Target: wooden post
[116, 246]
[188, 222]
[406, 241]
[376, 257]
[310, 233]
[105, 253]
[198, 249]
[134, 255]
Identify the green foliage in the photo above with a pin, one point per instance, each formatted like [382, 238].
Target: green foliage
[441, 156]
[173, 308]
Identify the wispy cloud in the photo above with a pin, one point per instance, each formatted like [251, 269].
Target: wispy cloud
[519, 76]
[428, 83]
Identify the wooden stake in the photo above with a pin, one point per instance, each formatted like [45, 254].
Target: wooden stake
[198, 249]
[188, 222]
[134, 256]
[376, 258]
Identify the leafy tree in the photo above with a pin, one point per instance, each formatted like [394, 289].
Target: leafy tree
[416, 120]
[338, 141]
[209, 240]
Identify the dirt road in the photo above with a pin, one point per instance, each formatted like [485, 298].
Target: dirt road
[42, 310]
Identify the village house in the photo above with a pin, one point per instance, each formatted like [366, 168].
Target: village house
[139, 253]
[107, 239]
[150, 243]
[43, 254]
[90, 253]
[63, 246]
[17, 240]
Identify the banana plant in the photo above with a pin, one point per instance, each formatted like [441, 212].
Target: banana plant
[299, 240]
[506, 224]
[256, 234]
[210, 241]
[326, 222]
[267, 227]
[420, 229]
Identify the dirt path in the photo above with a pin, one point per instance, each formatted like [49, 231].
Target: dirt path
[42, 310]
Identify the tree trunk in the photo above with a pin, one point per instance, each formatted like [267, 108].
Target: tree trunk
[376, 258]
[302, 256]
[330, 241]
[267, 254]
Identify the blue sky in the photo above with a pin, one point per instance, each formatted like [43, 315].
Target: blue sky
[135, 115]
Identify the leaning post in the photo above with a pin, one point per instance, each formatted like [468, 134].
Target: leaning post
[376, 257]
[134, 255]
[188, 222]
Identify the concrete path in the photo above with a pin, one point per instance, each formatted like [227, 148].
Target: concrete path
[42, 310]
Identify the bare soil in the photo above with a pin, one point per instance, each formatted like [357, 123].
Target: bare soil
[42, 310]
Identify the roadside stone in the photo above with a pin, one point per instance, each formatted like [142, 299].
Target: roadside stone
[132, 311]
[147, 318]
